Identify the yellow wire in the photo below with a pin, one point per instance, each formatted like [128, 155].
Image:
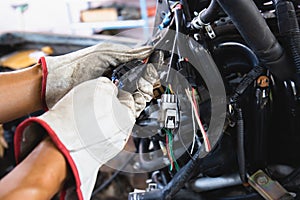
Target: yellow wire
[170, 87]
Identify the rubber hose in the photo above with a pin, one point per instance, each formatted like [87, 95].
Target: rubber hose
[247, 18]
[210, 13]
[289, 28]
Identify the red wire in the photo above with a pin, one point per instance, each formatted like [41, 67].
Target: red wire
[169, 154]
[198, 115]
[194, 100]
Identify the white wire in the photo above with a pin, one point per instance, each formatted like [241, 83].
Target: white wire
[205, 138]
[194, 129]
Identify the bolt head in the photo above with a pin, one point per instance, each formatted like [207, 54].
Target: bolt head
[262, 180]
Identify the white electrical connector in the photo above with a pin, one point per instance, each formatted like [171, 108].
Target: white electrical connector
[169, 115]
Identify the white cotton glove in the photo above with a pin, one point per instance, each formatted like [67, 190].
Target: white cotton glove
[90, 125]
[62, 73]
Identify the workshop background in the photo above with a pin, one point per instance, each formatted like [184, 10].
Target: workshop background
[30, 29]
[77, 17]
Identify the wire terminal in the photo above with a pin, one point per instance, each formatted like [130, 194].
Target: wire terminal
[169, 115]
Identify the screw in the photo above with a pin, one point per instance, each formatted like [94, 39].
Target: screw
[262, 180]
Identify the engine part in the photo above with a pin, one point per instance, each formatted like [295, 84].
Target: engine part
[174, 185]
[289, 27]
[198, 23]
[263, 42]
[267, 187]
[257, 141]
[204, 184]
[209, 14]
[205, 17]
[146, 163]
[291, 181]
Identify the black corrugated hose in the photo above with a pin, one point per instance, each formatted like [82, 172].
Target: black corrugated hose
[241, 145]
[177, 182]
[289, 28]
[247, 18]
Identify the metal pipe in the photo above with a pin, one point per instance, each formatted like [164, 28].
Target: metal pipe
[207, 183]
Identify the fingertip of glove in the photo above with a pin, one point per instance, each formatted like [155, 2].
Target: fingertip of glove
[104, 82]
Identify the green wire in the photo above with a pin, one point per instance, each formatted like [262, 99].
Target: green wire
[171, 151]
[167, 90]
[170, 148]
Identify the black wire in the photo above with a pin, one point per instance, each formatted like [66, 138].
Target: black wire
[241, 145]
[108, 181]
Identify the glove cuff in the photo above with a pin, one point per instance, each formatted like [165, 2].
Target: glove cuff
[43, 62]
[19, 135]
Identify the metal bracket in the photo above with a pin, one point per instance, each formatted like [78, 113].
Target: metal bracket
[210, 31]
[268, 188]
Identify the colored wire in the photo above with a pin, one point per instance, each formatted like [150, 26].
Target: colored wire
[168, 150]
[194, 139]
[170, 135]
[203, 132]
[193, 117]
[170, 88]
[194, 99]
[205, 137]
[167, 90]
[194, 132]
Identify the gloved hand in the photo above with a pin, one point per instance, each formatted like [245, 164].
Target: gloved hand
[90, 125]
[3, 143]
[62, 73]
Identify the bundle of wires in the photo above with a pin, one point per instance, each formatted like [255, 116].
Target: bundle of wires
[192, 98]
[169, 145]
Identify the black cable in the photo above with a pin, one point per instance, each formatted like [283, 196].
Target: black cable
[246, 82]
[241, 145]
[177, 182]
[108, 181]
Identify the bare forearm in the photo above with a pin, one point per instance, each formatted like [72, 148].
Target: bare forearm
[38, 177]
[20, 93]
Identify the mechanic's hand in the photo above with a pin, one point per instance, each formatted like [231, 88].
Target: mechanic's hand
[62, 73]
[3, 143]
[90, 125]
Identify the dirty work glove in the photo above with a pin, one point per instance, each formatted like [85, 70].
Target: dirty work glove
[90, 125]
[3, 143]
[62, 73]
